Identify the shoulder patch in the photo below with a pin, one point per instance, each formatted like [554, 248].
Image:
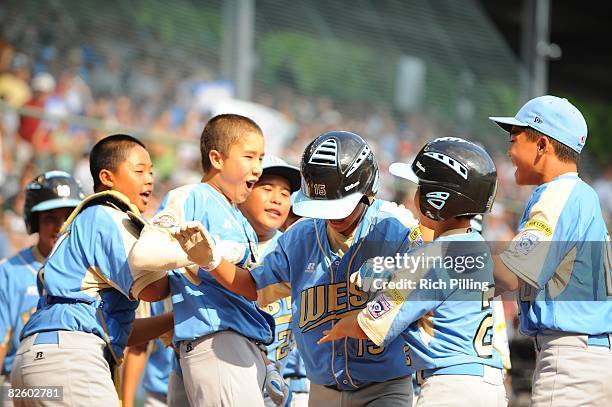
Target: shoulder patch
[379, 307]
[416, 235]
[165, 220]
[396, 296]
[540, 225]
[526, 242]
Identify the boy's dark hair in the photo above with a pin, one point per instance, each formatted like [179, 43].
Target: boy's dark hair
[108, 153]
[221, 132]
[564, 153]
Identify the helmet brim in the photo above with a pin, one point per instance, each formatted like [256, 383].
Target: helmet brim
[55, 204]
[404, 171]
[325, 208]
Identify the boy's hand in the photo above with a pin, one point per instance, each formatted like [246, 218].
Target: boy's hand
[365, 276]
[346, 327]
[198, 244]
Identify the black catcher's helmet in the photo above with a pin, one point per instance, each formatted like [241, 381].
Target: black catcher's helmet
[51, 190]
[338, 171]
[456, 177]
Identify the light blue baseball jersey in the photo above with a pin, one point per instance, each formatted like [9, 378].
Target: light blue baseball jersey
[445, 317]
[159, 364]
[304, 265]
[562, 252]
[18, 298]
[88, 284]
[202, 306]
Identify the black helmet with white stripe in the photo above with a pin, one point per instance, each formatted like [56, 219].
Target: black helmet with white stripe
[338, 171]
[51, 190]
[456, 177]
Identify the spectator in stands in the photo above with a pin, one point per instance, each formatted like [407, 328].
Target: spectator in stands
[14, 87]
[30, 129]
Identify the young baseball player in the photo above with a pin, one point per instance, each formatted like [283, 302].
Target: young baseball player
[313, 261]
[560, 258]
[217, 331]
[89, 288]
[49, 199]
[445, 317]
[266, 209]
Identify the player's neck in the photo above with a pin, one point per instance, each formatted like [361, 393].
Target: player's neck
[212, 181]
[265, 235]
[43, 248]
[556, 169]
[442, 227]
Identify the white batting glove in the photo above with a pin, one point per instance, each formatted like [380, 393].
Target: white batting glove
[365, 277]
[198, 244]
[276, 388]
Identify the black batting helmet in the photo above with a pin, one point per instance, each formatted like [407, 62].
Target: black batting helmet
[338, 171]
[456, 177]
[51, 190]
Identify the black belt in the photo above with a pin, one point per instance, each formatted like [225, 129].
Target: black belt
[338, 388]
[52, 299]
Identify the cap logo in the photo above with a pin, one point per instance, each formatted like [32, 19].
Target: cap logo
[437, 199]
[319, 190]
[420, 166]
[537, 120]
[63, 191]
[453, 164]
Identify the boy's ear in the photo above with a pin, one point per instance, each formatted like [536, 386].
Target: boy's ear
[107, 178]
[543, 145]
[216, 159]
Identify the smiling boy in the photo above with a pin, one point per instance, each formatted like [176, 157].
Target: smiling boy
[89, 289]
[560, 259]
[216, 330]
[266, 209]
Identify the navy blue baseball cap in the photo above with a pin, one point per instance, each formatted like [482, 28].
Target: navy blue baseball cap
[553, 116]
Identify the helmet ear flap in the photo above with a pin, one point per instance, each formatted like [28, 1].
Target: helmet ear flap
[434, 201]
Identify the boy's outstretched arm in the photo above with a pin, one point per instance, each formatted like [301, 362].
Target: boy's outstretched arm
[156, 250]
[146, 329]
[200, 248]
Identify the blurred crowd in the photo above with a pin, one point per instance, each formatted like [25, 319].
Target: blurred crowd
[95, 89]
